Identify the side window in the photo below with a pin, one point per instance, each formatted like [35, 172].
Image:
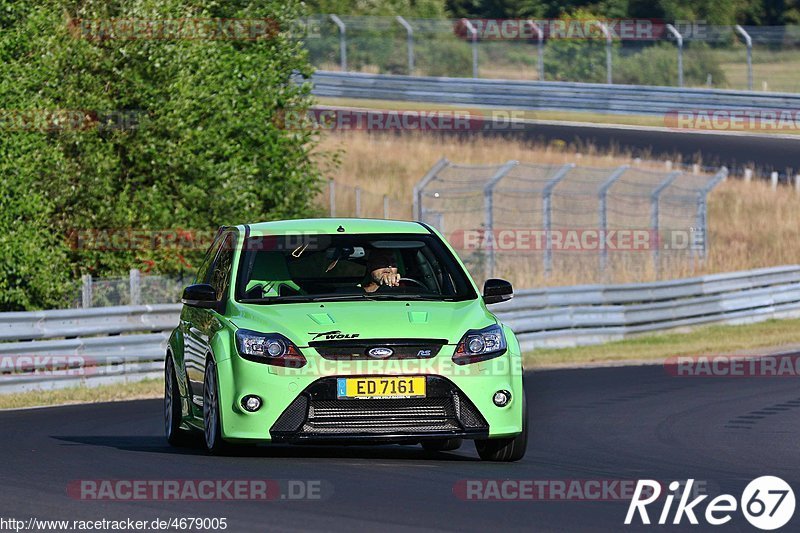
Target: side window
[221, 271]
[205, 266]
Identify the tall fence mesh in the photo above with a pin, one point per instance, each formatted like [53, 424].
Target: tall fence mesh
[527, 222]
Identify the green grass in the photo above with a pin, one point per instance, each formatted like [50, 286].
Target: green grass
[149, 388]
[707, 340]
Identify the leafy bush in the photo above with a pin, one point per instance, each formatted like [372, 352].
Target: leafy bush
[658, 65]
[209, 146]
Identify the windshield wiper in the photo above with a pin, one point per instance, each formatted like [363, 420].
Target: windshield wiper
[306, 298]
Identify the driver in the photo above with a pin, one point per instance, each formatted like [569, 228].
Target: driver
[381, 270]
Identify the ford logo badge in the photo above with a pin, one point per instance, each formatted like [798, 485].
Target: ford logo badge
[380, 353]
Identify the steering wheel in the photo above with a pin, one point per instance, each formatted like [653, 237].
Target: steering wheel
[418, 283]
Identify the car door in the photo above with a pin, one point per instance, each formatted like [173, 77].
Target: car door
[200, 325]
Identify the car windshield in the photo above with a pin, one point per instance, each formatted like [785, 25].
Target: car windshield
[295, 268]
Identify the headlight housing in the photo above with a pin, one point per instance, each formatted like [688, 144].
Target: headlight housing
[268, 348]
[480, 345]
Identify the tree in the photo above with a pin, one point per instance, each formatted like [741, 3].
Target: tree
[207, 145]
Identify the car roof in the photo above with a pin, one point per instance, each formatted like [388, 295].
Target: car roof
[332, 225]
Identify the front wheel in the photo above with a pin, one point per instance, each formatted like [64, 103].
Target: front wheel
[509, 449]
[212, 429]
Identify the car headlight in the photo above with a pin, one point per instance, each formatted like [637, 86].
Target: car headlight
[480, 345]
[268, 348]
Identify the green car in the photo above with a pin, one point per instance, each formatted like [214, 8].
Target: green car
[345, 331]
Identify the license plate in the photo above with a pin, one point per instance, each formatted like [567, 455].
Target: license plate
[388, 387]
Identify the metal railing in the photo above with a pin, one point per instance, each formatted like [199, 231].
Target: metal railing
[692, 54]
[60, 348]
[533, 95]
[519, 220]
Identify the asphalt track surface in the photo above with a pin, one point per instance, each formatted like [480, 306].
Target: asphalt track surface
[591, 424]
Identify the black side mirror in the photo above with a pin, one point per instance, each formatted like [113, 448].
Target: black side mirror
[496, 291]
[201, 295]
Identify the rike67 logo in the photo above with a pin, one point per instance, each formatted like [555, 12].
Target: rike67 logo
[767, 503]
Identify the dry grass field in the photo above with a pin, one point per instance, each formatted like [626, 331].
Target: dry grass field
[750, 225]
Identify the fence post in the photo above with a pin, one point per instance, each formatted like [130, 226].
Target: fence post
[342, 41]
[410, 41]
[749, 42]
[609, 42]
[654, 214]
[474, 33]
[332, 196]
[385, 206]
[86, 291]
[358, 202]
[702, 210]
[748, 175]
[602, 194]
[539, 48]
[135, 282]
[797, 183]
[488, 214]
[773, 180]
[547, 214]
[419, 188]
[679, 41]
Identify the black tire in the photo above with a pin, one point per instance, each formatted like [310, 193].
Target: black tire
[509, 449]
[442, 445]
[212, 428]
[176, 435]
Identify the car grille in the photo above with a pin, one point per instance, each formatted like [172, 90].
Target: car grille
[318, 413]
[355, 350]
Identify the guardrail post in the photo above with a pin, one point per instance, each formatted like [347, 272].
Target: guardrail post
[773, 180]
[539, 48]
[609, 42]
[748, 175]
[410, 41]
[702, 211]
[135, 283]
[86, 291]
[358, 202]
[749, 42]
[474, 33]
[488, 214]
[419, 188]
[654, 215]
[797, 183]
[332, 196]
[547, 213]
[602, 195]
[342, 41]
[679, 41]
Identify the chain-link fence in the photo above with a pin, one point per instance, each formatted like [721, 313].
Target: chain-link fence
[691, 54]
[136, 289]
[527, 222]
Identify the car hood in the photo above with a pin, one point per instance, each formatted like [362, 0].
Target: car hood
[306, 322]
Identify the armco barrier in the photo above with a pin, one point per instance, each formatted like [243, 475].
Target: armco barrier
[547, 95]
[128, 343]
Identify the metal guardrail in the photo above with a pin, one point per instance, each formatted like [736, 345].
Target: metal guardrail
[117, 344]
[547, 95]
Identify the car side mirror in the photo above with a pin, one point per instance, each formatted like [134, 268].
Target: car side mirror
[201, 295]
[496, 291]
